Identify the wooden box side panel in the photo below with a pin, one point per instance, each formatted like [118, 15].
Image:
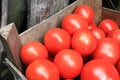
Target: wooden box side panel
[111, 14]
[12, 44]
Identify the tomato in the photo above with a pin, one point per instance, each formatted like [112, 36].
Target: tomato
[57, 39]
[98, 33]
[86, 11]
[108, 25]
[84, 42]
[42, 70]
[73, 22]
[115, 35]
[118, 66]
[92, 26]
[69, 63]
[99, 69]
[108, 49]
[32, 51]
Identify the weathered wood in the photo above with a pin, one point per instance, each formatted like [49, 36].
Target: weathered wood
[4, 15]
[111, 14]
[1, 46]
[16, 73]
[40, 10]
[97, 6]
[36, 33]
[10, 35]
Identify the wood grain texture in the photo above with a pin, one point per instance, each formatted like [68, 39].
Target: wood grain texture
[9, 33]
[40, 10]
[36, 33]
[111, 14]
[1, 46]
[4, 13]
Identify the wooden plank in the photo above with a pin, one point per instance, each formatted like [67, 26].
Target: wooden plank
[40, 10]
[111, 14]
[97, 6]
[36, 33]
[11, 38]
[4, 13]
[1, 46]
[16, 73]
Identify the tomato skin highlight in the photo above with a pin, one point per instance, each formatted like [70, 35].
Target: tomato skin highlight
[98, 33]
[108, 25]
[42, 70]
[69, 63]
[73, 22]
[108, 49]
[56, 39]
[84, 42]
[99, 69]
[32, 51]
[86, 11]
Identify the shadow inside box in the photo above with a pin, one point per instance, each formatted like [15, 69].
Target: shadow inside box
[5, 74]
[8, 71]
[111, 4]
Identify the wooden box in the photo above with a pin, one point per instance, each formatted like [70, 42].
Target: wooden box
[12, 41]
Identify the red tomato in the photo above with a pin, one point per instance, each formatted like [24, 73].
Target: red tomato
[57, 39]
[92, 26]
[42, 70]
[118, 66]
[115, 35]
[107, 49]
[32, 51]
[84, 42]
[86, 11]
[99, 69]
[108, 25]
[98, 33]
[69, 63]
[73, 22]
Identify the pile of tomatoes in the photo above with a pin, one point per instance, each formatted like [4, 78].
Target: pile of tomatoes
[79, 50]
